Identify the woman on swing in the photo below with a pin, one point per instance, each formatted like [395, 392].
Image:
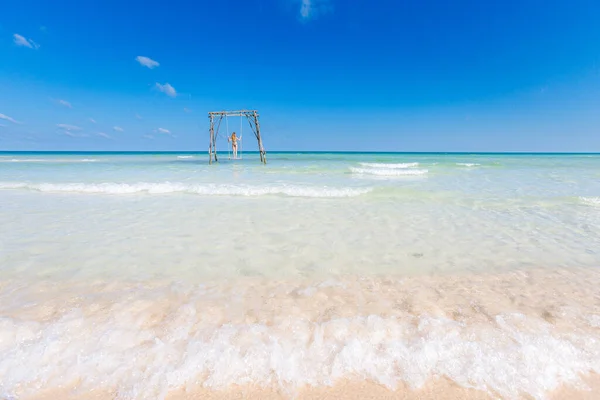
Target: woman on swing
[234, 139]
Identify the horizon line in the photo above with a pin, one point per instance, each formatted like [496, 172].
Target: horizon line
[297, 152]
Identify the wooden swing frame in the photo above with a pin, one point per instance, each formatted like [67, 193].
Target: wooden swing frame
[216, 117]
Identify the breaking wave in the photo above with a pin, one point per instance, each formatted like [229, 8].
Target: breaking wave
[467, 164]
[141, 361]
[592, 201]
[200, 189]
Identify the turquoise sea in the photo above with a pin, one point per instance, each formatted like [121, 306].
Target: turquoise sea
[395, 268]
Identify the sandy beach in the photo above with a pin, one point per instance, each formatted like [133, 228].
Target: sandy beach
[441, 389]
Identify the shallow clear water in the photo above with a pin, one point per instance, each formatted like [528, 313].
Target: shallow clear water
[390, 212]
[183, 259]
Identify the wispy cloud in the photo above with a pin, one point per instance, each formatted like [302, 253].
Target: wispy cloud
[64, 103]
[92, 120]
[60, 102]
[147, 62]
[150, 137]
[74, 134]
[187, 110]
[118, 129]
[68, 127]
[7, 118]
[311, 9]
[104, 135]
[166, 89]
[138, 116]
[163, 130]
[70, 130]
[22, 41]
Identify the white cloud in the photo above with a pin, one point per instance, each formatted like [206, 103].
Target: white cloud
[7, 118]
[64, 103]
[166, 89]
[311, 9]
[22, 41]
[148, 137]
[92, 120]
[118, 129]
[104, 135]
[187, 110]
[147, 62]
[163, 130]
[138, 116]
[68, 127]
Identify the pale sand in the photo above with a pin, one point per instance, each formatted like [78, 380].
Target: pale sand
[552, 295]
[441, 389]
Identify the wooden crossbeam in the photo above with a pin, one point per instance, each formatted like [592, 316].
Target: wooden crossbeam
[238, 113]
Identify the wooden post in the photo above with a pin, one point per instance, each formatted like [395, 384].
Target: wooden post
[210, 145]
[215, 139]
[261, 149]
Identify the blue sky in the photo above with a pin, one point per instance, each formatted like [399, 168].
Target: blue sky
[324, 74]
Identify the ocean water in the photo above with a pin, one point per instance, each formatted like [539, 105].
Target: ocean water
[144, 274]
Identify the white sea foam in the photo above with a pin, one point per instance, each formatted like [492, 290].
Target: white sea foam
[388, 171]
[185, 157]
[467, 164]
[592, 201]
[390, 166]
[201, 189]
[594, 320]
[139, 360]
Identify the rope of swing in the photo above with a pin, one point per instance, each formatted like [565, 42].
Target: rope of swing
[241, 120]
[227, 127]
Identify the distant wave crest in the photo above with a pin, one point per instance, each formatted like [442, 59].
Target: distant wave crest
[23, 160]
[388, 171]
[200, 189]
[467, 164]
[47, 160]
[389, 166]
